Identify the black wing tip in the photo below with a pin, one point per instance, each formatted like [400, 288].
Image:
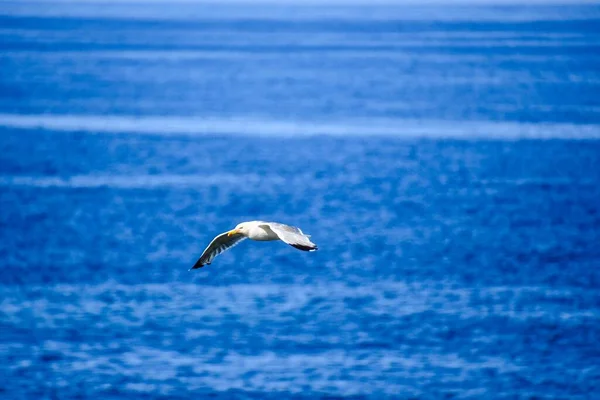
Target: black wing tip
[198, 266]
[305, 248]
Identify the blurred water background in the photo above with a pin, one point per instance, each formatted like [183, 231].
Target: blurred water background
[445, 158]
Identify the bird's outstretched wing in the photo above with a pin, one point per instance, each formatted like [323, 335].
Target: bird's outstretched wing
[217, 246]
[292, 236]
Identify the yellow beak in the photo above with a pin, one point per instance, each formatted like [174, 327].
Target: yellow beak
[232, 232]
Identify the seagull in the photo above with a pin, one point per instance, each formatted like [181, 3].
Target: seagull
[256, 230]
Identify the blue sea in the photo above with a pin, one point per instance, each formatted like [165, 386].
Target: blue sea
[444, 157]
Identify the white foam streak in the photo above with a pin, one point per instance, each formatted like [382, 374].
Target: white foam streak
[199, 126]
[132, 182]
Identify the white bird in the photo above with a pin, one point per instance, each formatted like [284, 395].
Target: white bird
[255, 230]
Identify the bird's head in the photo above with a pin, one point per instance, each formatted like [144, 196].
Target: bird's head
[240, 229]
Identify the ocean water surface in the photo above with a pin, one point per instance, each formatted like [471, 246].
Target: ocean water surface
[445, 158]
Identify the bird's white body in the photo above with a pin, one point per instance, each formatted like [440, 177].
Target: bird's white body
[260, 231]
